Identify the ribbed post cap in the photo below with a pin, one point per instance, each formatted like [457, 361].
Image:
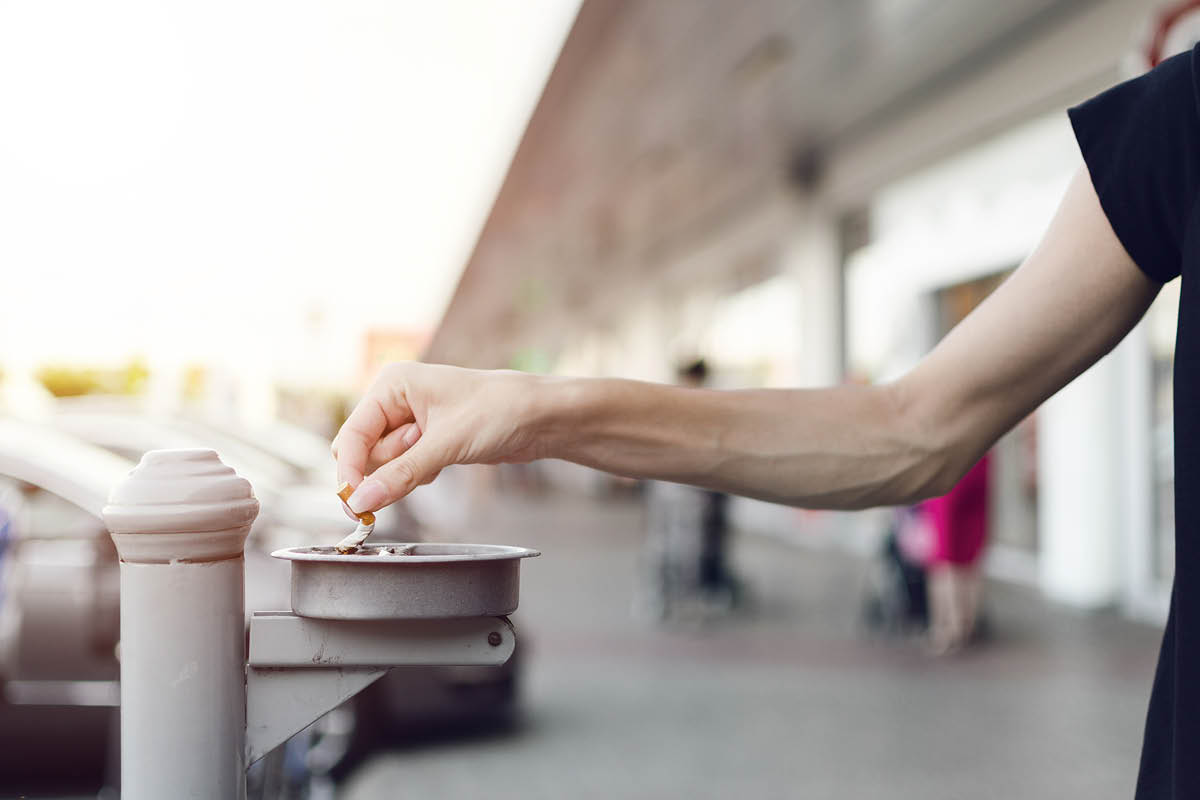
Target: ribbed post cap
[180, 505]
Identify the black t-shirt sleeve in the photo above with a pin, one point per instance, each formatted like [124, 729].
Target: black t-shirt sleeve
[1141, 142]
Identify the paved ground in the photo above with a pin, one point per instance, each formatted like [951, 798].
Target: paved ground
[788, 701]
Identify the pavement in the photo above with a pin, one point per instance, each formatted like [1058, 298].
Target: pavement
[787, 699]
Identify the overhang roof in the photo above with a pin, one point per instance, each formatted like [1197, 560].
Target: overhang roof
[663, 119]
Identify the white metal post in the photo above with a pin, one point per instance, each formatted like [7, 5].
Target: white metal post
[180, 522]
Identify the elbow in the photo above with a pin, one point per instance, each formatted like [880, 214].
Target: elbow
[935, 458]
[944, 477]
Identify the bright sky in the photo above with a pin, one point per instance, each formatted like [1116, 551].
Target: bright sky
[219, 180]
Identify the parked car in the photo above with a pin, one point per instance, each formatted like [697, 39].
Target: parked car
[59, 598]
[59, 626]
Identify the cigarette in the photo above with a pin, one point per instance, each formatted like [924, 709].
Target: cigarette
[366, 524]
[355, 539]
[344, 491]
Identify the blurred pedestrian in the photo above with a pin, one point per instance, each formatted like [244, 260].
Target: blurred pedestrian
[958, 524]
[1128, 223]
[687, 534]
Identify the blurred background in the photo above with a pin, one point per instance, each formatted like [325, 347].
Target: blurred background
[218, 221]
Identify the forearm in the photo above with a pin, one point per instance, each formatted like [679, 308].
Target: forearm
[853, 447]
[843, 447]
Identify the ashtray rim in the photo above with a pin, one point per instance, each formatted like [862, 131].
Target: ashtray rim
[487, 552]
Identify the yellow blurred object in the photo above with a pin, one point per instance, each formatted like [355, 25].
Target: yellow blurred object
[64, 380]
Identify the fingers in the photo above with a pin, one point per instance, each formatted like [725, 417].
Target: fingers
[380, 409]
[393, 444]
[418, 465]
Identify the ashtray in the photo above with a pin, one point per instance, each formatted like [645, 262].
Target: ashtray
[406, 580]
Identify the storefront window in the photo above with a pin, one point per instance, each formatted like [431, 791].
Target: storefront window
[1013, 506]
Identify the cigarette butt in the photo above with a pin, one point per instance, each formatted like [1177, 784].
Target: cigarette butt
[344, 491]
[354, 541]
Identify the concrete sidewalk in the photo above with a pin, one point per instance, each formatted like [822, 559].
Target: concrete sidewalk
[789, 700]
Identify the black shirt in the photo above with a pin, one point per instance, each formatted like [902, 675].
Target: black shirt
[1141, 142]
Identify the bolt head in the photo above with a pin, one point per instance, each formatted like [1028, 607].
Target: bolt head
[494, 638]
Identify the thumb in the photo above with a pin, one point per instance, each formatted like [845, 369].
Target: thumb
[418, 465]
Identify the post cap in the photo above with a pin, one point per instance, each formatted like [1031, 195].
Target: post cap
[180, 505]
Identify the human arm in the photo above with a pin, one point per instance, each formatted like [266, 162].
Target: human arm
[1071, 301]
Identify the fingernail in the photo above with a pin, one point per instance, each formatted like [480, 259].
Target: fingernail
[349, 513]
[369, 495]
[411, 436]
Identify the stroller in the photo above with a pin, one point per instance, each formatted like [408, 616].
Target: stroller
[895, 602]
[686, 569]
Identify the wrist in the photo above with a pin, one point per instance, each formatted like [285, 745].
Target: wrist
[556, 416]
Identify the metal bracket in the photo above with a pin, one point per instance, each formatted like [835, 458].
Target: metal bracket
[300, 667]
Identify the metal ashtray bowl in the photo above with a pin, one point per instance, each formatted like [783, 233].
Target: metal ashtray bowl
[422, 580]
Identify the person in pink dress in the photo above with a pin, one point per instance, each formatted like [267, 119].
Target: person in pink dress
[957, 523]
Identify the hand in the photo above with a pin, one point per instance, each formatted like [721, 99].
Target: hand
[418, 418]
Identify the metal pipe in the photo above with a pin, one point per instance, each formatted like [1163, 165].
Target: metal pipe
[183, 707]
[180, 521]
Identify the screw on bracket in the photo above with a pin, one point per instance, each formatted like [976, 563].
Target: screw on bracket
[494, 638]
